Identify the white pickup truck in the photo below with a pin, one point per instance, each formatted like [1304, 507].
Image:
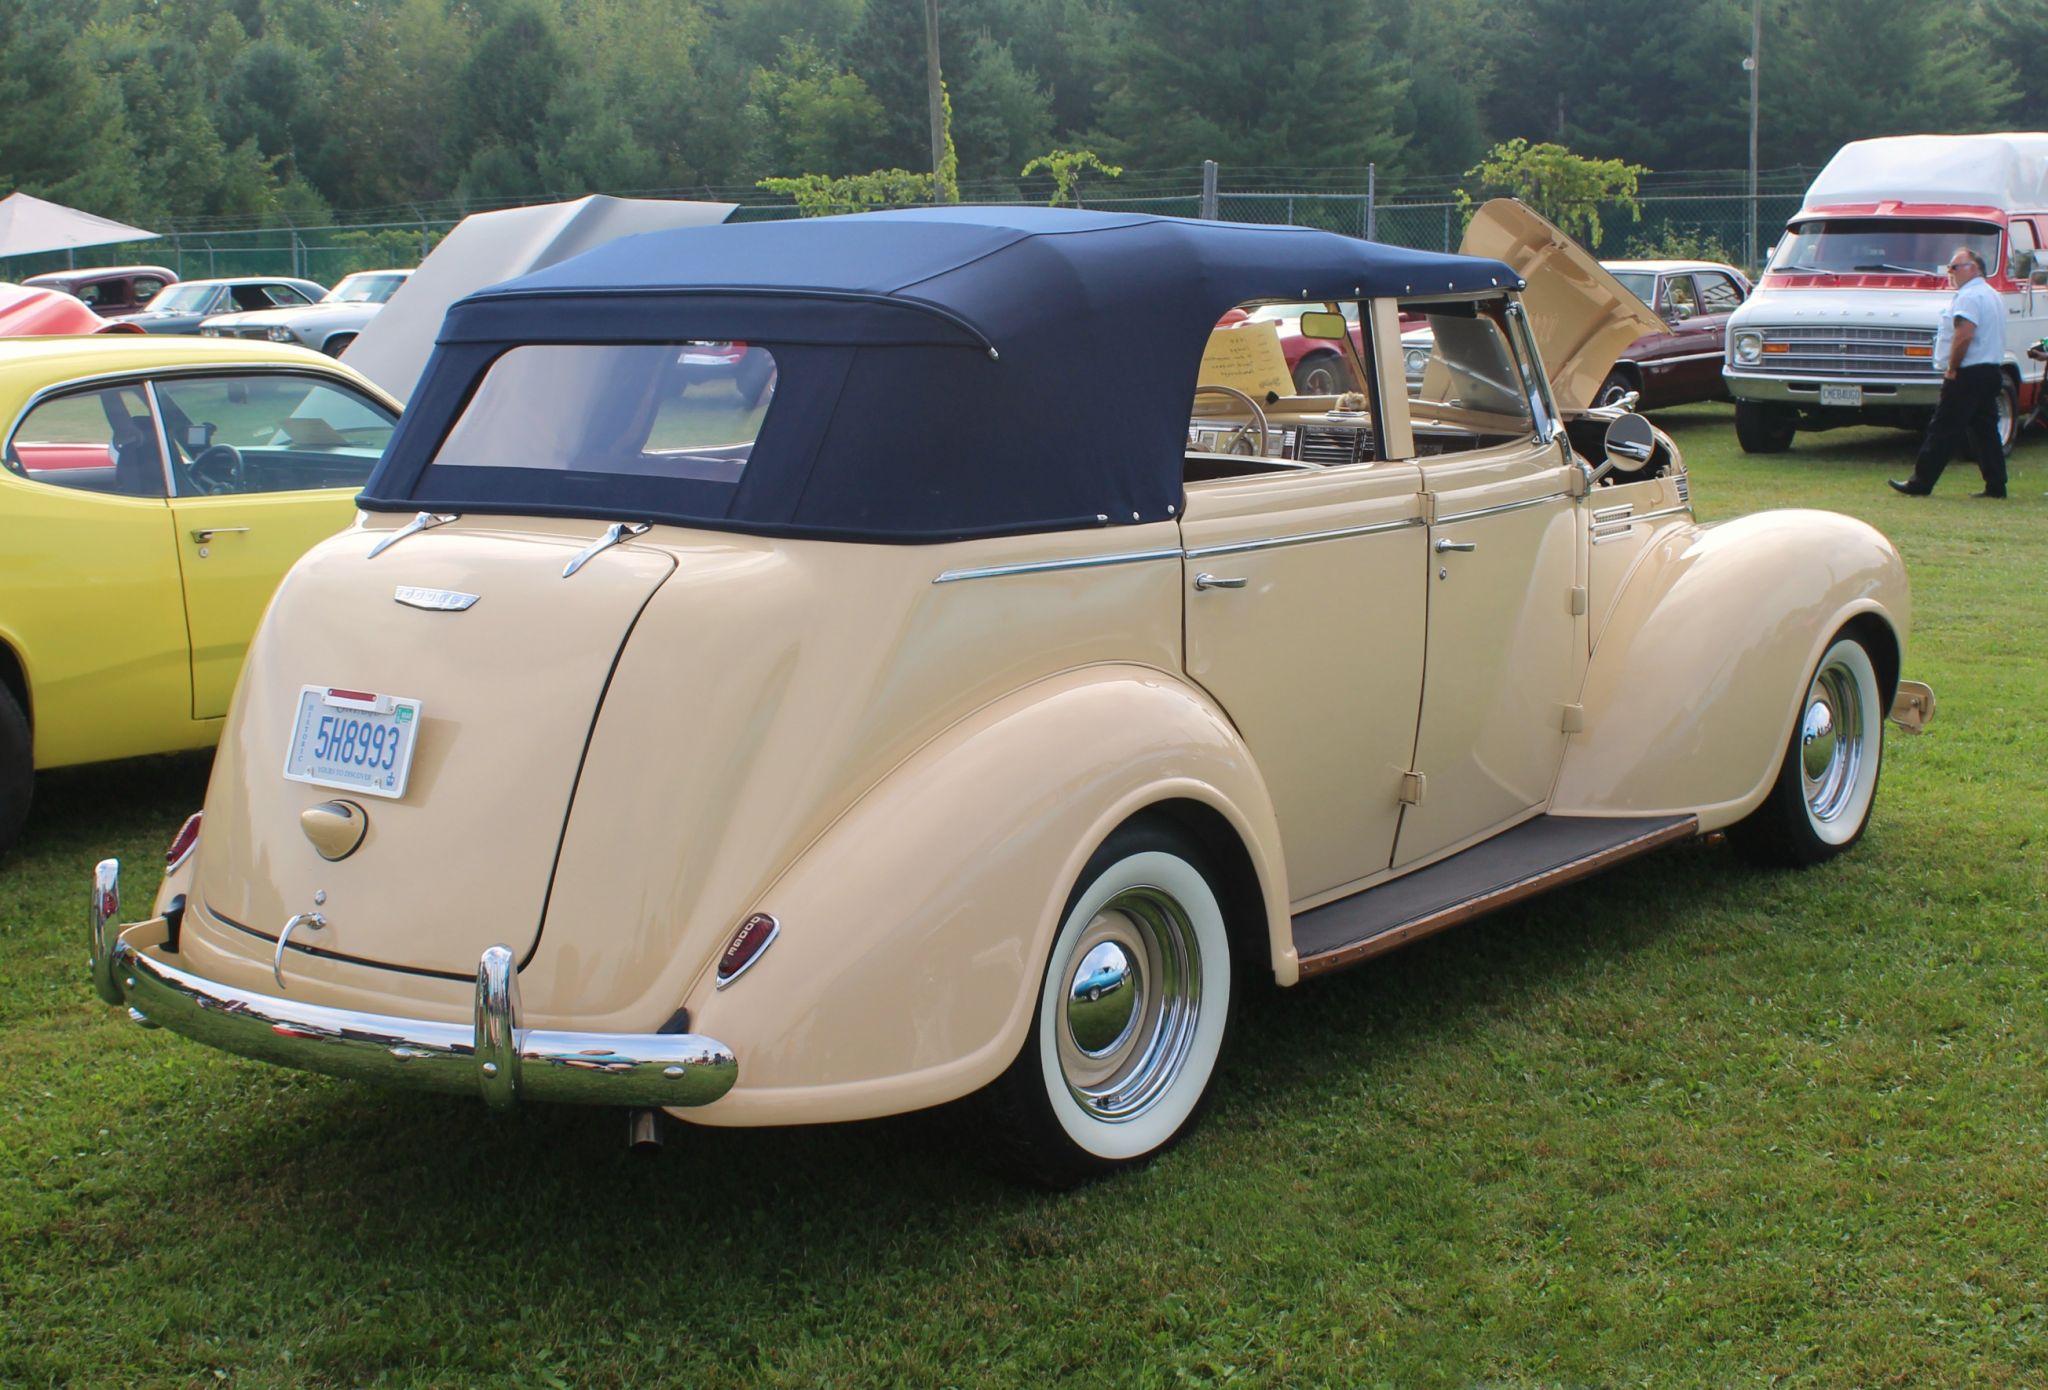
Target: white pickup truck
[1841, 328]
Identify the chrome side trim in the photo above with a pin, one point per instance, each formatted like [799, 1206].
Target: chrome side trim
[1504, 507]
[1306, 538]
[1079, 562]
[1663, 512]
[488, 1054]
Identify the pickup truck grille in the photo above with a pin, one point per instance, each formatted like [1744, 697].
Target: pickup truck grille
[1847, 352]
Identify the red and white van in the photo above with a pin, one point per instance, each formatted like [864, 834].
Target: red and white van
[1841, 328]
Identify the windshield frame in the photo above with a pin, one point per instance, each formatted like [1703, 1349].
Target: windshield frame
[1805, 248]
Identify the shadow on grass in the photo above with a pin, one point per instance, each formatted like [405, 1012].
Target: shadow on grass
[77, 808]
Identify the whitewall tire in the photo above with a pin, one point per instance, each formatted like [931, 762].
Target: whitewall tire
[1821, 802]
[1133, 1010]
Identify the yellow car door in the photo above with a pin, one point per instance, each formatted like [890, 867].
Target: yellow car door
[262, 466]
[89, 591]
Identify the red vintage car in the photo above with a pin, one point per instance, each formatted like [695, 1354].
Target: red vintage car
[26, 311]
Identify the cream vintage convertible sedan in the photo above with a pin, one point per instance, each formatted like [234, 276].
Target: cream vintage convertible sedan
[970, 716]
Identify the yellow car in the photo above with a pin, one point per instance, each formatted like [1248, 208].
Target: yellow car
[155, 490]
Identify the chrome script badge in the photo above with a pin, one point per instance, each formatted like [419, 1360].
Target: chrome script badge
[444, 600]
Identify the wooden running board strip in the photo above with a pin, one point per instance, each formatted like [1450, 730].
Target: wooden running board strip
[1533, 858]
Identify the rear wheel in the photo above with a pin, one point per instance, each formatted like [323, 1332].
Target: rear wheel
[1131, 1017]
[17, 770]
[1764, 429]
[1618, 384]
[2008, 415]
[1827, 784]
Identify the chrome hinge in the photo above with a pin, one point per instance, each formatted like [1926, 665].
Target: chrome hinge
[1574, 719]
[1429, 509]
[1413, 785]
[1578, 600]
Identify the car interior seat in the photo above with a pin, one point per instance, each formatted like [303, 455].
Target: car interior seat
[138, 463]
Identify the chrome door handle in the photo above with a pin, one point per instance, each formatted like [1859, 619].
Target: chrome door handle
[1211, 581]
[1443, 545]
[206, 534]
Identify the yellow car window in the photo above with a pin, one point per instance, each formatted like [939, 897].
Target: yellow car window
[95, 441]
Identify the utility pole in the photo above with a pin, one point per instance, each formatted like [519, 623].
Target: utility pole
[1753, 62]
[936, 95]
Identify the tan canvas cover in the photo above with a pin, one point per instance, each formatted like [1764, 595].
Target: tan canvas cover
[1582, 315]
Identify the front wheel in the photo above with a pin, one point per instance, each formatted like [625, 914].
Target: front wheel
[1763, 429]
[2008, 415]
[1617, 385]
[1820, 803]
[1321, 374]
[1112, 1074]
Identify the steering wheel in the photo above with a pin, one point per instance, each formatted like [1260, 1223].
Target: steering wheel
[217, 469]
[1241, 442]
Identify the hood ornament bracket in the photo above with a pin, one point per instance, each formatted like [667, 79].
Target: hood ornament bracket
[613, 534]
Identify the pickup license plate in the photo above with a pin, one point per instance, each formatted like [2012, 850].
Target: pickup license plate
[352, 739]
[1841, 395]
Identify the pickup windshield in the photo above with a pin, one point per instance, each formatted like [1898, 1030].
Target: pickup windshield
[1882, 245]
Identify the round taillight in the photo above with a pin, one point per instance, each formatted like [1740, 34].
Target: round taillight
[183, 843]
[747, 944]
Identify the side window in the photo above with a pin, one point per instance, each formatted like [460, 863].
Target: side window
[284, 296]
[2025, 257]
[1471, 391]
[1718, 293]
[93, 293]
[94, 441]
[1679, 300]
[1279, 381]
[146, 287]
[269, 432]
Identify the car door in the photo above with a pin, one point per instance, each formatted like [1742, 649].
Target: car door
[1304, 619]
[263, 464]
[91, 602]
[1504, 655]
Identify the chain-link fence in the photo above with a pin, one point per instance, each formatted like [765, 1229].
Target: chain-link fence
[1707, 214]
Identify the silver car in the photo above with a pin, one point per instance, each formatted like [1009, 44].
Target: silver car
[328, 326]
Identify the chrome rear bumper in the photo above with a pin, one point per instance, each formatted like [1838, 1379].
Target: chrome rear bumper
[493, 1057]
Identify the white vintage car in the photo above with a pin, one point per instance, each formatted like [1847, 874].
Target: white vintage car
[970, 716]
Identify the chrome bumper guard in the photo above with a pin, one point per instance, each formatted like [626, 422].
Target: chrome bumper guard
[494, 1057]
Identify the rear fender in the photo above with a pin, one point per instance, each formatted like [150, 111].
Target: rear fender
[914, 932]
[1692, 690]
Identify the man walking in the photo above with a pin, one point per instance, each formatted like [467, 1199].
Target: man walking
[1970, 346]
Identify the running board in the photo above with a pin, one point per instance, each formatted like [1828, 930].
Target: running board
[1536, 855]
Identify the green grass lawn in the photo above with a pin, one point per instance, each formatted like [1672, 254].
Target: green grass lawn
[1689, 1124]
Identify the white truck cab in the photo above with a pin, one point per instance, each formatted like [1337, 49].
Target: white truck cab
[1841, 328]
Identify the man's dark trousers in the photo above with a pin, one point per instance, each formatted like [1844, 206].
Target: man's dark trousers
[1967, 411]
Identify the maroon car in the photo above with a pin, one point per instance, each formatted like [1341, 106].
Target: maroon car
[1684, 365]
[111, 291]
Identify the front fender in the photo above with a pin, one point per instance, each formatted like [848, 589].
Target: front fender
[1691, 694]
[914, 932]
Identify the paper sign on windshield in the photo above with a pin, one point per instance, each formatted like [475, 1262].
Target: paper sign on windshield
[1248, 357]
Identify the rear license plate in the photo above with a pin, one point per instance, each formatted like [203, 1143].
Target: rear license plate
[1841, 395]
[353, 740]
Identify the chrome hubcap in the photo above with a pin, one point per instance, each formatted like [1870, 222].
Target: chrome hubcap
[1831, 742]
[1127, 1013]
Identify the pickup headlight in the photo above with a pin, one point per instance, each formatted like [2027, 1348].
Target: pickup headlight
[280, 334]
[1749, 347]
[1415, 361]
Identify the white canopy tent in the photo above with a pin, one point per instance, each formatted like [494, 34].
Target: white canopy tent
[30, 225]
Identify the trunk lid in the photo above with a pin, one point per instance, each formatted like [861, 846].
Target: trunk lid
[1583, 317]
[507, 689]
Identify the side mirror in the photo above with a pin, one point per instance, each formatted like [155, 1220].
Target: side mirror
[1323, 324]
[2022, 265]
[1629, 445]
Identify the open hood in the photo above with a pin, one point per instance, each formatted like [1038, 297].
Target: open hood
[1582, 315]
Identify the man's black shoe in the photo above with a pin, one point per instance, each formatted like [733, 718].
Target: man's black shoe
[1988, 493]
[1909, 487]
